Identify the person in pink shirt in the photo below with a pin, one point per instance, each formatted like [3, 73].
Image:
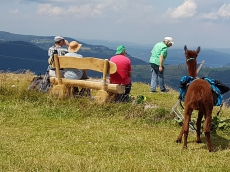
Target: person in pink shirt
[123, 74]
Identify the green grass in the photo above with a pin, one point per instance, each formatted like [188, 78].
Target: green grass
[40, 133]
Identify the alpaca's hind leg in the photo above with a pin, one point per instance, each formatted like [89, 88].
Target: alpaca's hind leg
[198, 126]
[207, 127]
[181, 134]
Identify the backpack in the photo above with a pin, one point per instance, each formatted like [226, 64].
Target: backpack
[184, 83]
[217, 93]
[45, 83]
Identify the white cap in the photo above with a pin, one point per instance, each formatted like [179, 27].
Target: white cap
[58, 38]
[169, 39]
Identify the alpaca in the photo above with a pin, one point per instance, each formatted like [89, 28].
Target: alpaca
[198, 97]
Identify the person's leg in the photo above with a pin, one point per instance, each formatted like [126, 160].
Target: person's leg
[118, 98]
[153, 79]
[161, 80]
[127, 92]
[75, 91]
[84, 76]
[125, 96]
[128, 89]
[84, 91]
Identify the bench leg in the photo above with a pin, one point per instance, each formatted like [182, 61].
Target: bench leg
[59, 91]
[101, 96]
[112, 97]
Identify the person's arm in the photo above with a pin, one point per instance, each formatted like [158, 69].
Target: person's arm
[50, 52]
[162, 58]
[130, 70]
[130, 73]
[66, 43]
[161, 63]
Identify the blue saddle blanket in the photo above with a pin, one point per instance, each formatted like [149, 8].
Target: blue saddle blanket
[217, 88]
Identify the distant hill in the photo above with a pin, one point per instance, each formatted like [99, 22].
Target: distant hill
[138, 53]
[214, 57]
[36, 47]
[29, 52]
[18, 55]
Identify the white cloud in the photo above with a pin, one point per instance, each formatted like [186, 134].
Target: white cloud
[186, 10]
[110, 9]
[222, 12]
[130, 20]
[86, 10]
[16, 11]
[212, 15]
[50, 10]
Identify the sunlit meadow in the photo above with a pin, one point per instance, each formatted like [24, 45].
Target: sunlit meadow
[41, 133]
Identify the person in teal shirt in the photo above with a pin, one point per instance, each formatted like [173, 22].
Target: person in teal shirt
[158, 55]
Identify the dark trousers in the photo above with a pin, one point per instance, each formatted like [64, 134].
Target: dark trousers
[125, 96]
[83, 90]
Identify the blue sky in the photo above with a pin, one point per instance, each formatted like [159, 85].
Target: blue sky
[204, 23]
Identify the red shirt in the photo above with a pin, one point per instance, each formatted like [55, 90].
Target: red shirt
[123, 69]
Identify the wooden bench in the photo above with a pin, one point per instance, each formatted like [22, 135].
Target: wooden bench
[61, 86]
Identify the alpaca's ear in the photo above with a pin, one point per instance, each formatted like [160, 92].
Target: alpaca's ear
[198, 50]
[185, 48]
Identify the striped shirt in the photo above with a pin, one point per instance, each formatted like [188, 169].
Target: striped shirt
[61, 51]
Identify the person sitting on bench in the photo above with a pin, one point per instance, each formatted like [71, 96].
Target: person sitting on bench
[70, 73]
[123, 73]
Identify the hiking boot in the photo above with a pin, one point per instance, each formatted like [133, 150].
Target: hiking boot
[164, 91]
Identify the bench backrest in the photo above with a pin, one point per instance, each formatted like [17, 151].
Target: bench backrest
[90, 63]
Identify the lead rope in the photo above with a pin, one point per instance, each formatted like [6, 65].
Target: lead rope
[219, 110]
[181, 104]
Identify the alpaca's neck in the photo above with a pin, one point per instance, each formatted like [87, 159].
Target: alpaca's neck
[192, 71]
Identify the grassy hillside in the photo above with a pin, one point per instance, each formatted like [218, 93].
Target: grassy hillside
[173, 74]
[213, 58]
[40, 133]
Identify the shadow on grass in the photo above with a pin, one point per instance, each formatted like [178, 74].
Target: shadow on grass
[219, 143]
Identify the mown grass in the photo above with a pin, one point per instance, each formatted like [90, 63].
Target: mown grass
[40, 133]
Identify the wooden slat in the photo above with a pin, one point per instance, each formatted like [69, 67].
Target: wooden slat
[92, 84]
[56, 61]
[90, 63]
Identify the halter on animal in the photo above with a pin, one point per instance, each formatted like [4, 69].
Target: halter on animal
[191, 58]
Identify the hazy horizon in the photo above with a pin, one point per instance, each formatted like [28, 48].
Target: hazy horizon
[192, 22]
